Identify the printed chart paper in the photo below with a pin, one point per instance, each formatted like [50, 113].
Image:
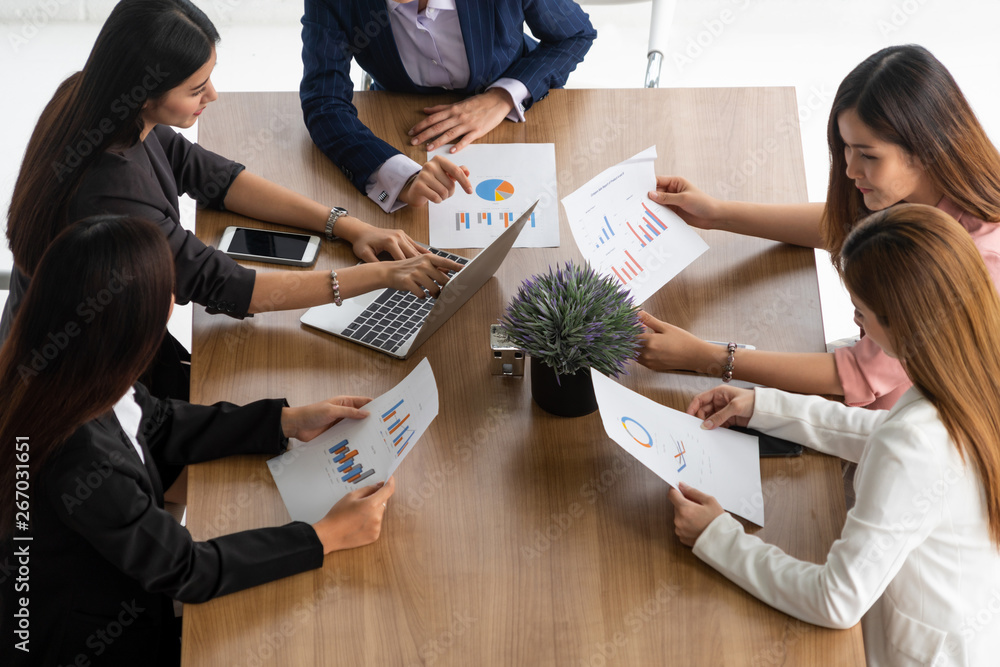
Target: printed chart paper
[506, 180]
[355, 453]
[627, 236]
[672, 444]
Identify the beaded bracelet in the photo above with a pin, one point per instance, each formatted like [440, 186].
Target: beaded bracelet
[336, 289]
[727, 370]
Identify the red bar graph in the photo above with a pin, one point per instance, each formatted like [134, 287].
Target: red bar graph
[653, 216]
[641, 242]
[633, 259]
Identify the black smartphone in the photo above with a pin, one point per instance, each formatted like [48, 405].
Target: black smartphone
[771, 446]
[262, 245]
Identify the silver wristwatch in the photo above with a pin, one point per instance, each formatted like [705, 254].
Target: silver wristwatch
[335, 214]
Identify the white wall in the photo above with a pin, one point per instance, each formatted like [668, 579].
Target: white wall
[224, 12]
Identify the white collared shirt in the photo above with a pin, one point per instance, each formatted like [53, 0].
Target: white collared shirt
[129, 415]
[432, 48]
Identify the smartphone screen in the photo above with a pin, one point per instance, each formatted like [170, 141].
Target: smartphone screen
[269, 244]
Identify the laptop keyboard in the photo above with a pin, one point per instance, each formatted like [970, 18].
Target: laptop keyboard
[394, 315]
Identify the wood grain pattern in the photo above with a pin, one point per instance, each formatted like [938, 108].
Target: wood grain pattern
[515, 537]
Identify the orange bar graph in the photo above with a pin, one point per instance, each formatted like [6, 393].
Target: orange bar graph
[394, 428]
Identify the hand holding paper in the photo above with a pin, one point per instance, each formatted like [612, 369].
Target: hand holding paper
[673, 445]
[306, 422]
[693, 511]
[626, 235]
[724, 405]
[356, 453]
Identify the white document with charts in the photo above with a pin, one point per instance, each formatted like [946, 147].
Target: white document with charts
[506, 180]
[357, 452]
[671, 443]
[627, 236]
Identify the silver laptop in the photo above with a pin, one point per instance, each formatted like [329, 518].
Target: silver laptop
[396, 322]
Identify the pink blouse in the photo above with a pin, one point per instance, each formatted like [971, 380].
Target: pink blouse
[871, 378]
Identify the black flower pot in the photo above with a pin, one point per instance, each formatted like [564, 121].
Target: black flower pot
[567, 396]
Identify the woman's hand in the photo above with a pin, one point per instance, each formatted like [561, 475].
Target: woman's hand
[356, 519]
[435, 182]
[693, 511]
[306, 422]
[426, 272]
[669, 348]
[368, 240]
[691, 204]
[724, 405]
[470, 119]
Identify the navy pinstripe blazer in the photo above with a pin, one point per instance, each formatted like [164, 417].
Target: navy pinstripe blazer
[335, 31]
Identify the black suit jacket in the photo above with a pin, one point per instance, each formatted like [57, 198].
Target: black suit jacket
[106, 559]
[145, 181]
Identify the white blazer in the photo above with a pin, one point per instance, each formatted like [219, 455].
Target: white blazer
[915, 557]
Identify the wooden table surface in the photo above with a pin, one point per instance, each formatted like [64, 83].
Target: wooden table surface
[516, 537]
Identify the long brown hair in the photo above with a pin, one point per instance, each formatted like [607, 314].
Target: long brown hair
[920, 272]
[92, 318]
[907, 97]
[145, 49]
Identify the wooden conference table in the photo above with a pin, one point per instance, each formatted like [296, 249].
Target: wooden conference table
[516, 537]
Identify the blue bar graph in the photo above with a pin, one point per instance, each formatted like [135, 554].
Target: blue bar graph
[405, 443]
[388, 413]
[343, 459]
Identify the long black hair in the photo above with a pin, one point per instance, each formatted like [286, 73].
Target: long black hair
[145, 49]
[93, 317]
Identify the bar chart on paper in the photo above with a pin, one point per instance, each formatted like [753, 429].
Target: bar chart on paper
[625, 235]
[357, 452]
[506, 180]
[397, 431]
[346, 468]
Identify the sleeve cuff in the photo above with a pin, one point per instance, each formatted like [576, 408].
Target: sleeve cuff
[714, 538]
[765, 416]
[220, 202]
[386, 182]
[518, 93]
[282, 440]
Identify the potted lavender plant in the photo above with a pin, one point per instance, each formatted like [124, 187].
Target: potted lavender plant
[571, 320]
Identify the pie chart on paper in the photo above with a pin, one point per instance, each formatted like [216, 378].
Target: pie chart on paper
[495, 189]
